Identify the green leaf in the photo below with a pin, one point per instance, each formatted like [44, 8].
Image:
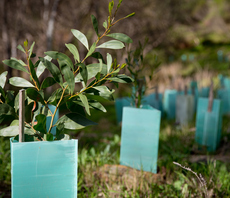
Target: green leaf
[121, 78]
[11, 131]
[97, 105]
[41, 67]
[20, 61]
[91, 50]
[53, 70]
[97, 55]
[3, 79]
[92, 70]
[113, 44]
[69, 77]
[109, 62]
[35, 95]
[15, 65]
[83, 72]
[61, 58]
[121, 37]
[72, 48]
[41, 123]
[33, 73]
[6, 109]
[81, 37]
[21, 48]
[74, 121]
[25, 43]
[95, 24]
[75, 106]
[102, 91]
[111, 4]
[55, 95]
[28, 112]
[130, 15]
[119, 4]
[20, 82]
[84, 100]
[49, 137]
[31, 49]
[49, 81]
[105, 25]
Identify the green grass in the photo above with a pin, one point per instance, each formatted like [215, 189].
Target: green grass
[100, 145]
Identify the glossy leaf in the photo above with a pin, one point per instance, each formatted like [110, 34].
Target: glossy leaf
[121, 37]
[61, 58]
[6, 109]
[72, 48]
[111, 4]
[74, 121]
[105, 25]
[109, 62]
[53, 70]
[20, 82]
[28, 112]
[21, 48]
[69, 77]
[3, 79]
[33, 73]
[11, 131]
[81, 37]
[41, 67]
[49, 81]
[35, 95]
[113, 44]
[55, 95]
[98, 56]
[92, 70]
[95, 24]
[20, 61]
[91, 50]
[130, 15]
[121, 78]
[31, 49]
[15, 65]
[83, 72]
[102, 91]
[84, 100]
[41, 123]
[97, 105]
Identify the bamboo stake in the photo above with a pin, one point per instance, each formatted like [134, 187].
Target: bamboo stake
[21, 114]
[210, 99]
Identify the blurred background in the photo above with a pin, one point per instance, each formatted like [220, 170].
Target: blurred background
[190, 37]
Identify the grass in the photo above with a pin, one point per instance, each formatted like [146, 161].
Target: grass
[100, 145]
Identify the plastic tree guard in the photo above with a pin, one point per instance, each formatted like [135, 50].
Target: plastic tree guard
[140, 138]
[224, 96]
[119, 104]
[169, 103]
[208, 124]
[184, 109]
[154, 102]
[44, 169]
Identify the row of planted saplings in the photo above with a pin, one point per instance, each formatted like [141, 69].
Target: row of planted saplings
[182, 107]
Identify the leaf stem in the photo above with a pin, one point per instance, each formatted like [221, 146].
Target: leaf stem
[52, 120]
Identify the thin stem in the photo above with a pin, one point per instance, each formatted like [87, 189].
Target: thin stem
[52, 120]
[28, 65]
[92, 85]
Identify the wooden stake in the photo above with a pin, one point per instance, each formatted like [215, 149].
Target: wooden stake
[210, 99]
[21, 114]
